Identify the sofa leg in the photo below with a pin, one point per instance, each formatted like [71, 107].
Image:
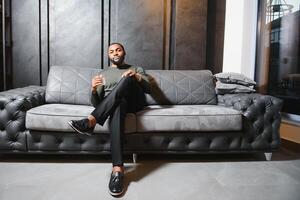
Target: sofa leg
[134, 157]
[268, 156]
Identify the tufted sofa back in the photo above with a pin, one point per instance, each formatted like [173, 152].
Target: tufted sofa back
[71, 85]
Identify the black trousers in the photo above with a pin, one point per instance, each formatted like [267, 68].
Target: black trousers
[127, 96]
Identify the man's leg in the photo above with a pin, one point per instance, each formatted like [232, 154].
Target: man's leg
[127, 88]
[117, 133]
[116, 185]
[132, 102]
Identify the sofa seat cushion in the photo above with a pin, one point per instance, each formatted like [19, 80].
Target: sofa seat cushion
[54, 117]
[188, 118]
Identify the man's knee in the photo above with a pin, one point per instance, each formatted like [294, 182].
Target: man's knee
[129, 80]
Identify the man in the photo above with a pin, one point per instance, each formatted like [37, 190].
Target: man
[119, 89]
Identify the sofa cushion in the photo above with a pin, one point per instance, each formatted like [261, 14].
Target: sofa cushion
[184, 87]
[54, 117]
[188, 118]
[69, 85]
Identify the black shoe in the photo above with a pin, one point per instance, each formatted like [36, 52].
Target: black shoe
[116, 186]
[81, 126]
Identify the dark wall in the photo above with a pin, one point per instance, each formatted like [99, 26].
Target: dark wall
[25, 37]
[215, 35]
[157, 34]
[75, 32]
[190, 34]
[140, 26]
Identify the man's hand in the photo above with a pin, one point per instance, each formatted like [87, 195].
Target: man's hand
[97, 81]
[130, 72]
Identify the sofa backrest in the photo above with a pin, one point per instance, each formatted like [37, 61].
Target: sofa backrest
[182, 87]
[72, 85]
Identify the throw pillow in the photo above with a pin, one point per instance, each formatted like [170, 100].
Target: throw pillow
[235, 78]
[226, 88]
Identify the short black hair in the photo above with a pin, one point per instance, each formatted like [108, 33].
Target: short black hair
[117, 44]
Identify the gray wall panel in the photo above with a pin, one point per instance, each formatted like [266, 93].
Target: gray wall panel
[75, 32]
[139, 25]
[44, 40]
[25, 38]
[190, 34]
[215, 35]
[157, 34]
[106, 31]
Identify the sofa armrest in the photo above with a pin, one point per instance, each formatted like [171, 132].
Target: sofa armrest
[261, 118]
[13, 106]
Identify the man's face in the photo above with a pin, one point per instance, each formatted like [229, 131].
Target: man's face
[116, 54]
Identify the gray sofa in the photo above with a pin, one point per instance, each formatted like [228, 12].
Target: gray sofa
[185, 115]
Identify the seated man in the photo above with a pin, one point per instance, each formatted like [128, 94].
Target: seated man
[119, 89]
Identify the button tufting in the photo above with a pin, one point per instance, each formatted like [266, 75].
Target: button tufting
[251, 140]
[14, 140]
[167, 140]
[270, 140]
[80, 141]
[228, 141]
[59, 141]
[146, 141]
[187, 141]
[37, 139]
[209, 141]
[102, 141]
[2, 128]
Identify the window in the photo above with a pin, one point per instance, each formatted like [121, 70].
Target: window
[279, 50]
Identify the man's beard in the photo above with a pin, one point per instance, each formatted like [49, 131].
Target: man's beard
[117, 60]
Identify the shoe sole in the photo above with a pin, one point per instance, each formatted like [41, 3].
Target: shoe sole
[116, 194]
[78, 131]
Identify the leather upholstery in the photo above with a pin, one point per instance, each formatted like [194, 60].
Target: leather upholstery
[262, 118]
[187, 142]
[183, 143]
[13, 106]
